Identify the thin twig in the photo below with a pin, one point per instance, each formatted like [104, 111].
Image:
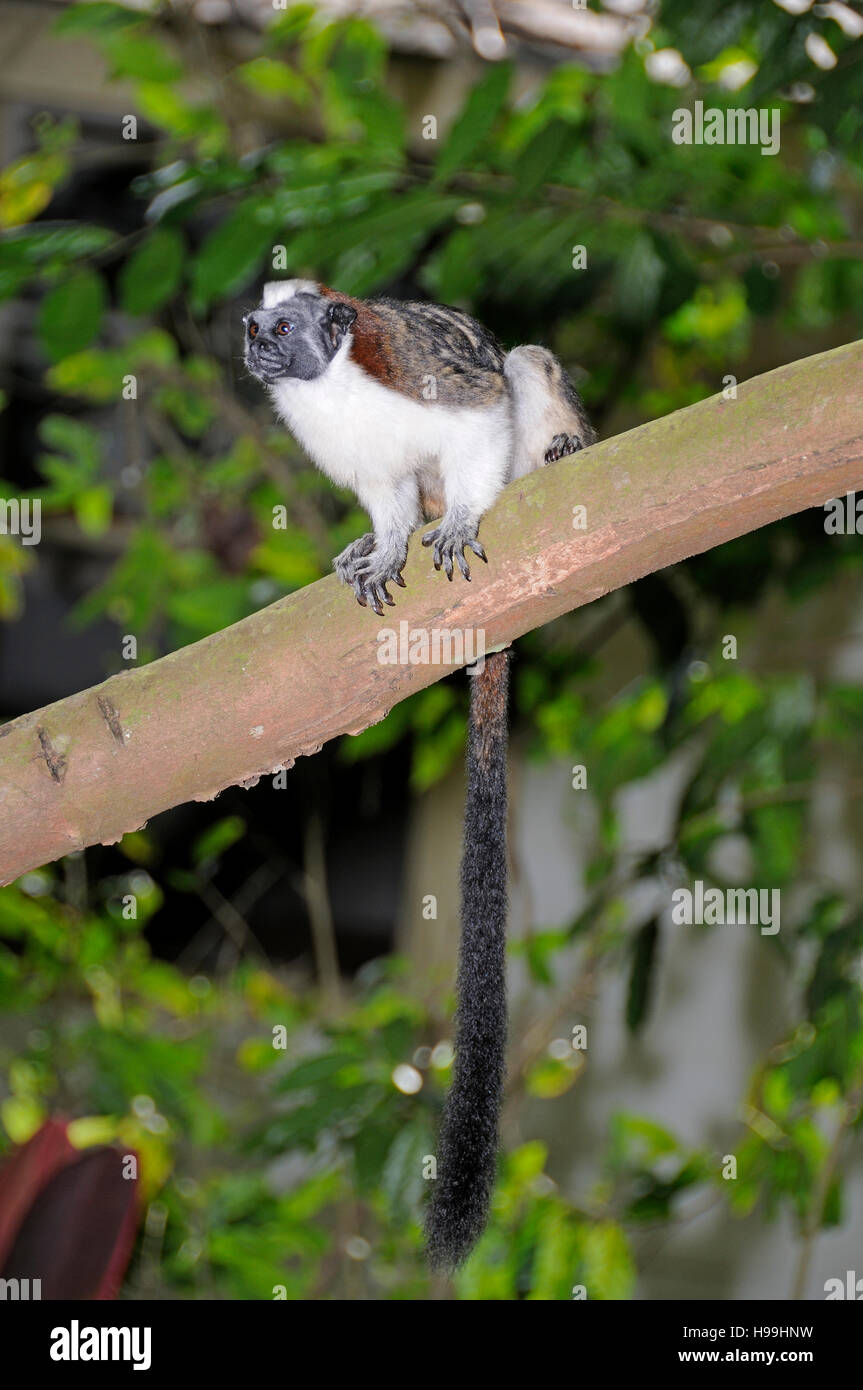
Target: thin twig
[320, 912]
[815, 1215]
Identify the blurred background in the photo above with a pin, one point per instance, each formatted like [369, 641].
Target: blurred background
[176, 993]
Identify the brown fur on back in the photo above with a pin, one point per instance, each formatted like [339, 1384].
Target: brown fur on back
[429, 352]
[371, 348]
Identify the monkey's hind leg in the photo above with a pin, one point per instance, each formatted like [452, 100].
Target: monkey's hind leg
[473, 469]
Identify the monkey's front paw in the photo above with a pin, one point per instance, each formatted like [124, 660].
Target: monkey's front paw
[345, 564]
[449, 543]
[561, 446]
[371, 577]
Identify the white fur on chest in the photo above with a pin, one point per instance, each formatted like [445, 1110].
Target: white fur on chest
[358, 431]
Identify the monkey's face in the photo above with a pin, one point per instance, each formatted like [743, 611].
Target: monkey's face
[297, 338]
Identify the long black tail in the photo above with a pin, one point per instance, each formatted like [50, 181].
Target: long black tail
[467, 1150]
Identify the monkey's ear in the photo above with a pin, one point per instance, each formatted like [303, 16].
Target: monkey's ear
[340, 317]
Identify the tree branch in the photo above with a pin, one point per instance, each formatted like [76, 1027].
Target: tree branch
[280, 683]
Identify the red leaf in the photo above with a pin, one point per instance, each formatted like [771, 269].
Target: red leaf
[71, 1217]
[26, 1172]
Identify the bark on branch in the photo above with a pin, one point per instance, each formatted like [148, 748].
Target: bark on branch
[279, 684]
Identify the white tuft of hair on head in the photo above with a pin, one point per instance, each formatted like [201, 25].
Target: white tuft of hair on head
[277, 291]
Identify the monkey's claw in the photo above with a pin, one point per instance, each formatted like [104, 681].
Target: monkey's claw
[449, 545]
[368, 573]
[561, 446]
[346, 563]
[371, 577]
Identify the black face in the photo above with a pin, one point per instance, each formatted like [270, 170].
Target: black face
[297, 338]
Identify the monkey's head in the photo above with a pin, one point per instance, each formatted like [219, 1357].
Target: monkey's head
[294, 332]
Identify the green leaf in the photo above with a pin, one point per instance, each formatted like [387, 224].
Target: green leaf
[92, 374]
[45, 248]
[152, 274]
[27, 186]
[314, 1070]
[638, 280]
[371, 1146]
[218, 838]
[474, 125]
[234, 252]
[71, 314]
[369, 247]
[208, 607]
[637, 1142]
[75, 469]
[641, 974]
[163, 104]
[138, 585]
[775, 834]
[606, 1264]
[97, 373]
[540, 948]
[93, 509]
[154, 346]
[190, 411]
[289, 26]
[141, 56]
[272, 79]
[288, 558]
[95, 17]
[456, 274]
[537, 160]
[551, 1077]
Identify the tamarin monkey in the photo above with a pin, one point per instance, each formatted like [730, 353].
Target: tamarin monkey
[420, 412]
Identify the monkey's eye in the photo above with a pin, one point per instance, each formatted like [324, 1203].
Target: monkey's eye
[283, 327]
[253, 329]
